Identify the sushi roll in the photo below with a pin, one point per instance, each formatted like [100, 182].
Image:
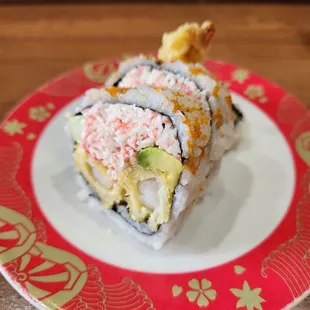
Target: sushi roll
[178, 66]
[189, 79]
[144, 153]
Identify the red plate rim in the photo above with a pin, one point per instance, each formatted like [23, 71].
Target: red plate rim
[50, 272]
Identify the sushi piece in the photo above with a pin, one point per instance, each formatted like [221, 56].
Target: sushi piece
[190, 80]
[144, 154]
[179, 63]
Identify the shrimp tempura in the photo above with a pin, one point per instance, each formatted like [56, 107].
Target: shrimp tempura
[189, 43]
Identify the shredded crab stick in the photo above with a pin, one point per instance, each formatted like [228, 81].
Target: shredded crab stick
[160, 79]
[113, 134]
[188, 80]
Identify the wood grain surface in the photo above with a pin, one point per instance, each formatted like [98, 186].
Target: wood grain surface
[38, 42]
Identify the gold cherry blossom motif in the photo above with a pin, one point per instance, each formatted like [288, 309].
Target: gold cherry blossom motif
[14, 127]
[247, 297]
[201, 292]
[31, 136]
[240, 75]
[50, 106]
[39, 114]
[254, 91]
[239, 269]
[176, 290]
[302, 144]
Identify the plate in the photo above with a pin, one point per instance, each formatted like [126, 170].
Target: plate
[245, 245]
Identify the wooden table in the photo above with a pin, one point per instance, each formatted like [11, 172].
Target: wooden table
[39, 42]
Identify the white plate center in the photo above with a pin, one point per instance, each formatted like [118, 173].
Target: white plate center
[246, 202]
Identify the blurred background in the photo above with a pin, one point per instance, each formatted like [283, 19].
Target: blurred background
[39, 40]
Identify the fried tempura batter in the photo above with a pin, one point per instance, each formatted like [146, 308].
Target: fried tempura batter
[189, 43]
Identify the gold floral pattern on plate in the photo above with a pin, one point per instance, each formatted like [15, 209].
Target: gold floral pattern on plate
[302, 145]
[50, 105]
[201, 292]
[11, 194]
[51, 276]
[40, 230]
[92, 296]
[14, 127]
[17, 229]
[239, 269]
[240, 75]
[177, 290]
[39, 113]
[289, 261]
[31, 136]
[128, 295]
[254, 91]
[249, 298]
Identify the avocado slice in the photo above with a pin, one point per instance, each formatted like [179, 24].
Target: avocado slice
[75, 125]
[166, 169]
[157, 159]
